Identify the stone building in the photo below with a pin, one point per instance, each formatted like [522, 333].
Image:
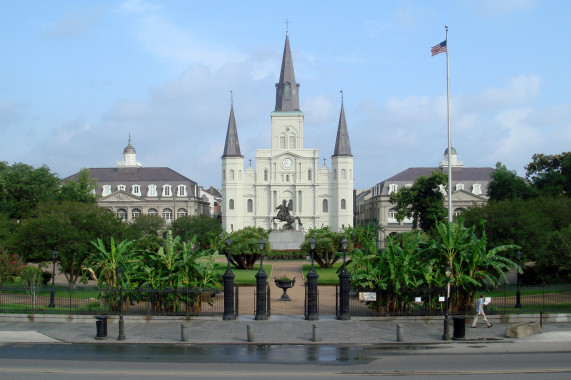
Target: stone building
[130, 190]
[469, 187]
[319, 196]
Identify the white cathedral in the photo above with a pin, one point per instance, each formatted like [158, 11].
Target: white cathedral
[288, 171]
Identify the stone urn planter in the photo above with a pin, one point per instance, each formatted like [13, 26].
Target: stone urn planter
[284, 283]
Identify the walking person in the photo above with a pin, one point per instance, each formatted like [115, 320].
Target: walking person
[480, 312]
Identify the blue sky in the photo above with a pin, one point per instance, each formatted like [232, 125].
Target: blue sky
[78, 76]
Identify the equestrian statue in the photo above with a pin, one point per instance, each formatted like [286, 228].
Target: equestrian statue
[285, 216]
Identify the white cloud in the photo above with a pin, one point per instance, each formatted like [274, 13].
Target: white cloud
[74, 24]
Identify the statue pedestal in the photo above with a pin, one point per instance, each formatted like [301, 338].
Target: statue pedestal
[286, 240]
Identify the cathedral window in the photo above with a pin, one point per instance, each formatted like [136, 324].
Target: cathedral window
[152, 191]
[153, 212]
[181, 191]
[121, 187]
[265, 174]
[231, 175]
[231, 204]
[122, 214]
[343, 204]
[250, 206]
[137, 190]
[287, 91]
[282, 142]
[106, 190]
[167, 191]
[287, 177]
[291, 142]
[343, 174]
[335, 174]
[181, 212]
[309, 175]
[325, 206]
[223, 175]
[135, 213]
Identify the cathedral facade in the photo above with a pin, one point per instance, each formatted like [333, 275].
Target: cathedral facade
[319, 196]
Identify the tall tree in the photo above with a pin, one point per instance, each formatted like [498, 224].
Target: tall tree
[22, 187]
[505, 184]
[68, 227]
[82, 190]
[551, 174]
[423, 202]
[525, 223]
[206, 229]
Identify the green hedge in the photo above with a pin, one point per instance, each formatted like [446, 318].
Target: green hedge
[285, 255]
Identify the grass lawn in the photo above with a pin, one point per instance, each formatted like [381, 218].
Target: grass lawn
[327, 276]
[244, 276]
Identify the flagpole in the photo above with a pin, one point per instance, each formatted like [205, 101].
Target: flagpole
[449, 137]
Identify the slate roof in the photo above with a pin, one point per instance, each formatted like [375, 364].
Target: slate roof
[467, 176]
[342, 144]
[136, 176]
[287, 75]
[232, 145]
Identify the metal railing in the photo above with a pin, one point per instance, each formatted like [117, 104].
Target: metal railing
[93, 301]
[533, 299]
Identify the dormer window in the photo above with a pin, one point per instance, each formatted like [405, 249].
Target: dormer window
[181, 191]
[393, 188]
[459, 186]
[477, 189]
[167, 191]
[442, 189]
[106, 190]
[137, 190]
[121, 187]
[152, 191]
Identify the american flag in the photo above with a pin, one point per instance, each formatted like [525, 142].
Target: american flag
[437, 49]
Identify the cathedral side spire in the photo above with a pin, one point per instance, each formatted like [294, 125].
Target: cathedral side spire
[342, 144]
[232, 145]
[287, 90]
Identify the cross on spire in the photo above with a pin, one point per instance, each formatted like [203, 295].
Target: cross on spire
[287, 22]
[250, 162]
[341, 96]
[231, 98]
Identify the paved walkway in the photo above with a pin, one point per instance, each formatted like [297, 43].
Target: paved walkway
[286, 325]
[295, 307]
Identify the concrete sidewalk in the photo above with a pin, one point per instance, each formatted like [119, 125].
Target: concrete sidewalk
[277, 330]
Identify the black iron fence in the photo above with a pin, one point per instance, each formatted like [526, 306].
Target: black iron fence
[502, 300]
[93, 301]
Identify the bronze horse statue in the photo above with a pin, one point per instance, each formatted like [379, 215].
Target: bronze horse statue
[285, 216]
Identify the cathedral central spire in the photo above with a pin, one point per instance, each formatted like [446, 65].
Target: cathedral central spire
[287, 90]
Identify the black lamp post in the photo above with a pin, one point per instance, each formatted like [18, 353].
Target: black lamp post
[446, 335]
[228, 277]
[312, 299]
[517, 293]
[344, 286]
[120, 273]
[53, 294]
[261, 279]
